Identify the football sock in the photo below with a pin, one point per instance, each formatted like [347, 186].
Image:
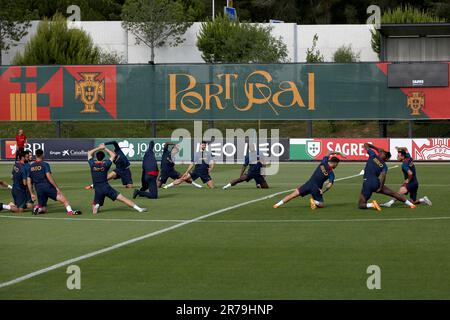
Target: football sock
[227, 186]
[170, 185]
[279, 203]
[422, 200]
[69, 208]
[196, 185]
[6, 206]
[389, 203]
[408, 203]
[137, 208]
[316, 202]
[369, 205]
[9, 186]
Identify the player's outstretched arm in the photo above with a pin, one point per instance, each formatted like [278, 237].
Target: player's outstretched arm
[114, 143]
[211, 166]
[402, 149]
[191, 165]
[332, 153]
[112, 154]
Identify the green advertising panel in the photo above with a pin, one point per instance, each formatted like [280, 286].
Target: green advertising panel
[219, 92]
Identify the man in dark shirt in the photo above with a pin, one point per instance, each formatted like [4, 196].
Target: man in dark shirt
[19, 188]
[40, 177]
[314, 186]
[374, 178]
[411, 184]
[122, 170]
[168, 164]
[99, 172]
[149, 175]
[255, 162]
[21, 140]
[203, 165]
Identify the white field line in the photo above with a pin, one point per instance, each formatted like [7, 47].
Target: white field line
[146, 236]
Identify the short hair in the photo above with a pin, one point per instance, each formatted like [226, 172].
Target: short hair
[334, 159]
[21, 154]
[388, 154]
[100, 155]
[27, 151]
[39, 153]
[402, 152]
[204, 142]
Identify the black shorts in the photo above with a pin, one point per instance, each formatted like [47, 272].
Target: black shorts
[202, 175]
[102, 191]
[369, 186]
[164, 176]
[412, 188]
[20, 197]
[45, 191]
[259, 179]
[124, 175]
[312, 189]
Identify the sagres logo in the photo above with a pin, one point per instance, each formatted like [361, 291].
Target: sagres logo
[416, 101]
[313, 148]
[127, 148]
[89, 90]
[232, 90]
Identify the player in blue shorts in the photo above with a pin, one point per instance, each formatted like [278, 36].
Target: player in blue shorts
[149, 175]
[255, 162]
[374, 178]
[411, 184]
[168, 164]
[203, 165]
[122, 170]
[314, 186]
[40, 177]
[19, 187]
[99, 172]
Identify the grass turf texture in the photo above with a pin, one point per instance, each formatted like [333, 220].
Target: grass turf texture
[251, 252]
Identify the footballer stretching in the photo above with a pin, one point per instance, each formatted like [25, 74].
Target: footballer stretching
[314, 186]
[375, 173]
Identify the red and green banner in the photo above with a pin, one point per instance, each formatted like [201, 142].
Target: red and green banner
[214, 92]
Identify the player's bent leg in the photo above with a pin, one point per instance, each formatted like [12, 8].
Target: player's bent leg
[288, 198]
[112, 175]
[264, 185]
[387, 191]
[62, 199]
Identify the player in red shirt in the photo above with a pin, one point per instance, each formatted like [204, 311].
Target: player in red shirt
[21, 140]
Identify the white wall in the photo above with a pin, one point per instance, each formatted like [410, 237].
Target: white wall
[110, 35]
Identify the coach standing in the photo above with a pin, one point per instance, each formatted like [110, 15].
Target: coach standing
[21, 140]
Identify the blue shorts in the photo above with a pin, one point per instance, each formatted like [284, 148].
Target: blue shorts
[412, 188]
[45, 191]
[164, 176]
[102, 191]
[312, 189]
[259, 179]
[20, 197]
[202, 175]
[124, 175]
[369, 186]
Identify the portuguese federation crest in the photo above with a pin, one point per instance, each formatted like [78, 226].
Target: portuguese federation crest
[416, 101]
[313, 148]
[89, 90]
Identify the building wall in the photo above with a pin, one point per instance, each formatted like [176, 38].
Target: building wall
[110, 35]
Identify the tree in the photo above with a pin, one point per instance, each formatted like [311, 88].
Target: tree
[402, 14]
[155, 22]
[226, 41]
[55, 43]
[14, 23]
[345, 54]
[313, 54]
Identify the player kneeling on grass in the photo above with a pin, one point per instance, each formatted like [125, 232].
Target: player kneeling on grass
[19, 187]
[374, 177]
[411, 184]
[168, 164]
[40, 176]
[255, 161]
[99, 172]
[149, 175]
[203, 167]
[314, 186]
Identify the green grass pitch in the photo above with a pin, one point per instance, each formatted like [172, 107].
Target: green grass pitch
[250, 252]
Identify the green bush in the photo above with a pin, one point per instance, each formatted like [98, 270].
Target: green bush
[313, 54]
[226, 41]
[55, 43]
[345, 54]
